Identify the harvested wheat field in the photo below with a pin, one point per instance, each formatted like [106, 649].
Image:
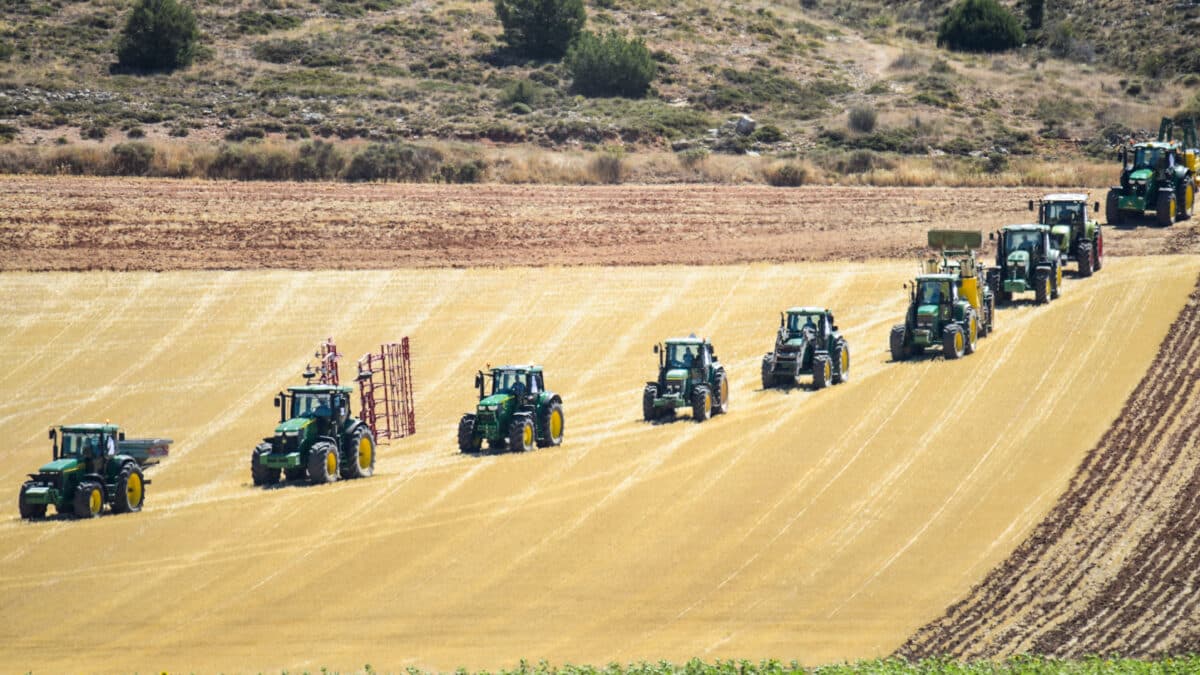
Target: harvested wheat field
[810, 525]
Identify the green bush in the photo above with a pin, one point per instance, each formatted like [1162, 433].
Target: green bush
[394, 161]
[980, 26]
[768, 133]
[132, 159]
[786, 175]
[862, 119]
[318, 160]
[158, 35]
[540, 28]
[250, 22]
[610, 66]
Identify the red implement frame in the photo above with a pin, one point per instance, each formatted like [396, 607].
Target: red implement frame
[327, 358]
[386, 391]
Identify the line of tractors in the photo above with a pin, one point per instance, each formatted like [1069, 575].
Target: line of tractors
[952, 305]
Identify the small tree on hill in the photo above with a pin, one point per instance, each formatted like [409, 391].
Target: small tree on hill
[540, 28]
[1035, 11]
[610, 66]
[158, 35]
[980, 26]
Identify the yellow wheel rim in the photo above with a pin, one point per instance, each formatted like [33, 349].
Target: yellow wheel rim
[958, 342]
[133, 489]
[330, 463]
[556, 423]
[707, 403]
[1060, 276]
[527, 435]
[95, 501]
[1172, 209]
[828, 370]
[845, 361]
[974, 330]
[364, 452]
[724, 390]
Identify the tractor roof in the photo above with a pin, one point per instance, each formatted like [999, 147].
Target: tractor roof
[1027, 227]
[691, 340]
[1157, 144]
[806, 310]
[525, 368]
[1066, 197]
[320, 389]
[92, 428]
[937, 277]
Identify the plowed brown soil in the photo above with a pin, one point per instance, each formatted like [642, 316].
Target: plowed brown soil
[136, 224]
[1113, 568]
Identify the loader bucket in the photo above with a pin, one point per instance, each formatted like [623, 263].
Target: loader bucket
[955, 239]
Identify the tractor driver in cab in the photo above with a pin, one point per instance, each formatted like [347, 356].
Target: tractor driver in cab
[689, 358]
[932, 293]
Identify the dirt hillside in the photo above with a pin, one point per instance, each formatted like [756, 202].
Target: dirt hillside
[809, 525]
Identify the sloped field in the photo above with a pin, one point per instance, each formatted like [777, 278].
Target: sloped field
[808, 525]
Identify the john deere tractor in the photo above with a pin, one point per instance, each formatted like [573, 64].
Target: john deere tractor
[807, 343]
[959, 258]
[1159, 176]
[519, 414]
[95, 465]
[317, 438]
[937, 316]
[1078, 237]
[689, 375]
[1026, 260]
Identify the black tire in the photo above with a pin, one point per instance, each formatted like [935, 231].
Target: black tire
[1055, 281]
[841, 363]
[701, 403]
[993, 276]
[521, 435]
[1112, 212]
[768, 372]
[262, 475]
[468, 442]
[985, 316]
[358, 461]
[1084, 258]
[1098, 249]
[953, 344]
[85, 503]
[29, 511]
[1041, 285]
[322, 468]
[720, 393]
[971, 338]
[549, 436]
[896, 341]
[648, 395]
[131, 490]
[822, 371]
[1164, 208]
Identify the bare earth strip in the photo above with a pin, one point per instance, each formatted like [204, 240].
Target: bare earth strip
[811, 525]
[1112, 569]
[144, 224]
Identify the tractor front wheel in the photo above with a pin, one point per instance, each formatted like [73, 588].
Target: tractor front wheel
[359, 455]
[971, 339]
[89, 499]
[467, 440]
[262, 475]
[30, 511]
[552, 424]
[768, 372]
[322, 463]
[131, 490]
[953, 344]
[720, 393]
[1164, 213]
[822, 370]
[1112, 209]
[897, 341]
[1184, 200]
[1041, 286]
[520, 435]
[648, 395]
[841, 363]
[702, 404]
[1086, 263]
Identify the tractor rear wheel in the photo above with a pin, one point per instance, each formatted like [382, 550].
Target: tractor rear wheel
[552, 423]
[822, 370]
[1184, 199]
[1056, 274]
[1041, 285]
[322, 463]
[359, 455]
[768, 372]
[131, 490]
[30, 511]
[520, 435]
[89, 499]
[1112, 209]
[467, 440]
[702, 403]
[841, 363]
[971, 339]
[720, 393]
[897, 341]
[1084, 257]
[953, 344]
[262, 475]
[648, 395]
[1164, 212]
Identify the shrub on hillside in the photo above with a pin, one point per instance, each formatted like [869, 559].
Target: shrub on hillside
[787, 174]
[862, 119]
[132, 159]
[394, 161]
[540, 28]
[980, 26]
[610, 66]
[608, 166]
[158, 35]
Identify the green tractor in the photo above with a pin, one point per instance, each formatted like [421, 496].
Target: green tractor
[807, 343]
[1161, 176]
[937, 315]
[317, 438]
[95, 465]
[689, 375]
[1071, 231]
[519, 414]
[1026, 260]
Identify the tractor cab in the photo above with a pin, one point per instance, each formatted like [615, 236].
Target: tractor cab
[800, 325]
[1027, 260]
[1022, 244]
[689, 374]
[308, 412]
[1072, 232]
[91, 444]
[518, 413]
[935, 293]
[687, 358]
[522, 382]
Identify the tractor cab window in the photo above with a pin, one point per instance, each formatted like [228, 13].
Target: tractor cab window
[311, 405]
[1064, 214]
[1022, 241]
[1146, 158]
[535, 383]
[508, 382]
[73, 444]
[934, 292]
[682, 356]
[798, 322]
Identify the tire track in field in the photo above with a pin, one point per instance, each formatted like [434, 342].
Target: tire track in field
[1112, 567]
